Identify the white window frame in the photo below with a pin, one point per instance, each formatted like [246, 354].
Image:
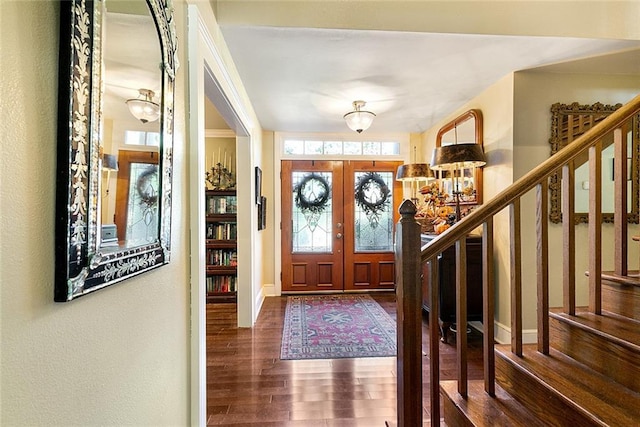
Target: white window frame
[146, 138]
[403, 139]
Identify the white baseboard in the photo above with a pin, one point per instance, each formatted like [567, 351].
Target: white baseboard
[258, 304]
[269, 290]
[502, 333]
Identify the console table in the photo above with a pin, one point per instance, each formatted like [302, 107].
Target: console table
[447, 283]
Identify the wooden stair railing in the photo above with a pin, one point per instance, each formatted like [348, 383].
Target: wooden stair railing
[483, 215]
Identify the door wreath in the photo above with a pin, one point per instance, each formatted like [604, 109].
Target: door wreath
[312, 193]
[372, 196]
[145, 185]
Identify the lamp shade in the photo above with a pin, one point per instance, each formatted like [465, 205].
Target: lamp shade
[359, 120]
[109, 162]
[414, 172]
[457, 156]
[144, 109]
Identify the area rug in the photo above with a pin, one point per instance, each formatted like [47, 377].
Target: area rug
[336, 326]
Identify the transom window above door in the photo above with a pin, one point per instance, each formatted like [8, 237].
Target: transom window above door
[319, 146]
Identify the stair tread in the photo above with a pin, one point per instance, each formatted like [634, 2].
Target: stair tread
[604, 399]
[622, 330]
[631, 278]
[482, 409]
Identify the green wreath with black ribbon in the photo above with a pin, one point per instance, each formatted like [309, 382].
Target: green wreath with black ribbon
[366, 183]
[145, 179]
[305, 189]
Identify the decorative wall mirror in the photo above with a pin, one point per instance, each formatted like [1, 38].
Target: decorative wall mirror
[569, 121]
[115, 136]
[464, 129]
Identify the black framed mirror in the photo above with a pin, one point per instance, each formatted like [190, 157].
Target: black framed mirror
[117, 70]
[569, 121]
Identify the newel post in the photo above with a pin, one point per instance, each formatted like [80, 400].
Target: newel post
[409, 317]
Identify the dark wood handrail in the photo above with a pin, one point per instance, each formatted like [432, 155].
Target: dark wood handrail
[503, 199]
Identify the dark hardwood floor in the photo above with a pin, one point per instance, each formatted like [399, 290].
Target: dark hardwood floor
[248, 384]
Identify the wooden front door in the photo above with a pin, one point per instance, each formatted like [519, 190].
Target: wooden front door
[137, 203]
[338, 219]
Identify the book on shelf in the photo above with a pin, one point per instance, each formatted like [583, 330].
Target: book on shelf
[222, 283]
[222, 231]
[222, 258]
[222, 205]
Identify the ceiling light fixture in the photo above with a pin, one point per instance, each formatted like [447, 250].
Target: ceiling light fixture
[357, 119]
[144, 109]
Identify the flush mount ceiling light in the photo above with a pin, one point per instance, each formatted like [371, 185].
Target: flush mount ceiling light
[357, 119]
[144, 109]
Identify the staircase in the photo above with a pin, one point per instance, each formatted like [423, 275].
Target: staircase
[590, 377]
[584, 369]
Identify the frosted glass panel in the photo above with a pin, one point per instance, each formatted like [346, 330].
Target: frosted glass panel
[373, 211]
[333, 147]
[352, 148]
[389, 148]
[313, 147]
[312, 212]
[293, 147]
[371, 148]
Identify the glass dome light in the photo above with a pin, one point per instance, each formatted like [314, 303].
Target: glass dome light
[144, 109]
[359, 120]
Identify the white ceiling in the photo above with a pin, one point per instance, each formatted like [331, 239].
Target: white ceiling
[305, 79]
[131, 62]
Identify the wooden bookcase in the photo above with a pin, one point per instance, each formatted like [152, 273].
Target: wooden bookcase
[221, 245]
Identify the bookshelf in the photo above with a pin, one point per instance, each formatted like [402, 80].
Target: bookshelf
[221, 245]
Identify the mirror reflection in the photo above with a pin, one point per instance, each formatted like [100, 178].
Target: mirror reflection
[466, 182]
[568, 122]
[118, 61]
[130, 134]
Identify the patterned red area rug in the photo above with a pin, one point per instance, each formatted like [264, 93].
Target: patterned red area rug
[336, 326]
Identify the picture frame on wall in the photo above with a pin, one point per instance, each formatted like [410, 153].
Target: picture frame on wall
[258, 183]
[262, 213]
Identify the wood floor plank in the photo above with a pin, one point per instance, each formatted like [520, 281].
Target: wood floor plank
[248, 384]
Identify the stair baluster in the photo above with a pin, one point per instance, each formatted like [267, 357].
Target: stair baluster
[595, 228]
[568, 239]
[620, 202]
[516, 278]
[488, 308]
[542, 264]
[526, 390]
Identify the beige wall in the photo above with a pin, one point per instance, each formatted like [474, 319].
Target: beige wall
[564, 18]
[534, 95]
[269, 181]
[215, 150]
[516, 121]
[496, 104]
[118, 356]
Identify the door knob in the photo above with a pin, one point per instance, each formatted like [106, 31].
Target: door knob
[339, 236]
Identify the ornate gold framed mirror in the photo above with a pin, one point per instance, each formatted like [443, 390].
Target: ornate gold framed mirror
[114, 56]
[569, 121]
